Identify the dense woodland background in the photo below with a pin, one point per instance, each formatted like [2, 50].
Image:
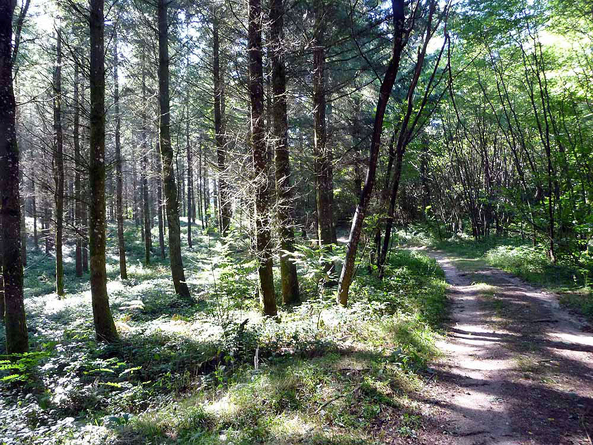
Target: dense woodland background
[234, 183]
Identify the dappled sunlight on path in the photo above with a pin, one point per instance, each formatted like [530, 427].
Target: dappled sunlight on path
[517, 368]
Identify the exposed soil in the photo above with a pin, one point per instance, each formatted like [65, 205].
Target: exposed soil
[517, 368]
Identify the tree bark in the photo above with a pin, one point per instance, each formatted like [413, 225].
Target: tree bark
[77, 178]
[17, 339]
[104, 326]
[146, 209]
[34, 213]
[323, 161]
[58, 166]
[200, 186]
[225, 204]
[347, 274]
[288, 270]
[260, 161]
[118, 165]
[159, 191]
[190, 178]
[144, 174]
[406, 130]
[190, 195]
[172, 202]
[85, 235]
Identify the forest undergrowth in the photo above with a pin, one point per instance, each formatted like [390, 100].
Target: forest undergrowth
[212, 369]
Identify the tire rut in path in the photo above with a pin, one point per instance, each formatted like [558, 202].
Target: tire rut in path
[517, 369]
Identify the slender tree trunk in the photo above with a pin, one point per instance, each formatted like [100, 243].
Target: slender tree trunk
[225, 204]
[17, 339]
[206, 193]
[347, 274]
[135, 187]
[85, 235]
[144, 174]
[23, 222]
[159, 191]
[180, 180]
[323, 162]
[190, 196]
[189, 175]
[215, 204]
[167, 156]
[58, 165]
[146, 208]
[201, 186]
[391, 213]
[288, 270]
[404, 135]
[260, 161]
[46, 229]
[104, 326]
[77, 168]
[118, 165]
[34, 213]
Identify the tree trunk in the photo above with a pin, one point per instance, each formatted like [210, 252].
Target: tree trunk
[77, 167]
[171, 200]
[206, 192]
[58, 165]
[405, 131]
[260, 161]
[85, 235]
[323, 162]
[104, 326]
[118, 165]
[189, 174]
[288, 270]
[146, 209]
[200, 186]
[34, 213]
[144, 174]
[17, 339]
[225, 204]
[347, 274]
[159, 191]
[46, 224]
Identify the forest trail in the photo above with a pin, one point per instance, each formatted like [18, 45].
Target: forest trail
[517, 368]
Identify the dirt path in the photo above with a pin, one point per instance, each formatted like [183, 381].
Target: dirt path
[517, 368]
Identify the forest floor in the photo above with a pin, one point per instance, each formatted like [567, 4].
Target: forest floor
[213, 370]
[517, 367]
[514, 367]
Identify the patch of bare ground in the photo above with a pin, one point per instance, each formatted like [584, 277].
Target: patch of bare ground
[517, 369]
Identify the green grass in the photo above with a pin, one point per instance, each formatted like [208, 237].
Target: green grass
[214, 370]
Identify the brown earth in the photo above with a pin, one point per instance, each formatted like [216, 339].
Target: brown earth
[517, 368]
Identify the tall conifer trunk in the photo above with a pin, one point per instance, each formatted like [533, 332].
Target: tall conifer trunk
[323, 161]
[190, 181]
[225, 204]
[260, 159]
[77, 177]
[17, 339]
[58, 166]
[147, 237]
[288, 270]
[159, 191]
[104, 326]
[171, 200]
[118, 165]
